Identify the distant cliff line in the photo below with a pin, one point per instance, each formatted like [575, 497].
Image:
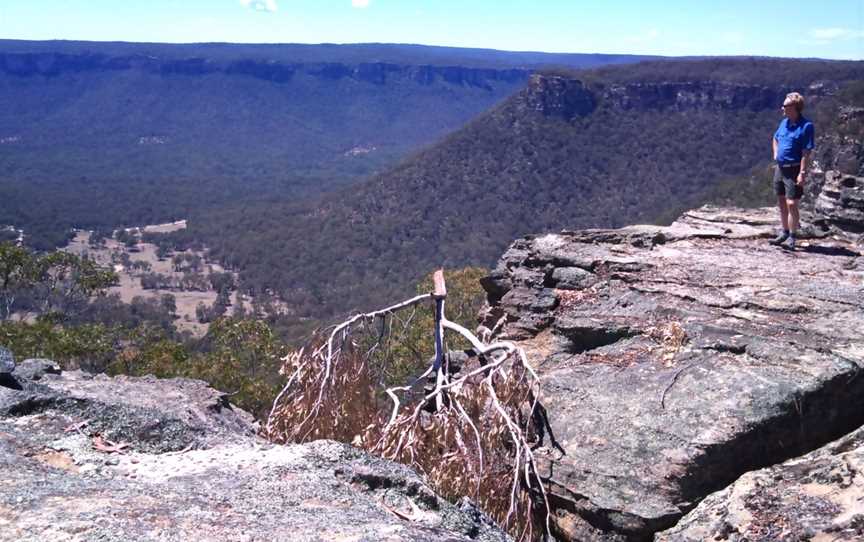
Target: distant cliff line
[54, 64]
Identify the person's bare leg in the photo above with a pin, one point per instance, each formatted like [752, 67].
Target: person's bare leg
[792, 206]
[784, 212]
[784, 220]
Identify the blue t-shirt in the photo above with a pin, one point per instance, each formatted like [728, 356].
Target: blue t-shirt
[793, 139]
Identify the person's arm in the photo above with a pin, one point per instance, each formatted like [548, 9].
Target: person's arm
[774, 147]
[807, 144]
[805, 159]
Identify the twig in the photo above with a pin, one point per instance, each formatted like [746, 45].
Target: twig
[672, 383]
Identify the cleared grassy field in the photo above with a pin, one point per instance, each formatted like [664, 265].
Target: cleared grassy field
[130, 287]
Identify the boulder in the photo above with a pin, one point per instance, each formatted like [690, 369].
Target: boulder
[36, 368]
[692, 354]
[814, 497]
[7, 361]
[152, 414]
[86, 457]
[841, 201]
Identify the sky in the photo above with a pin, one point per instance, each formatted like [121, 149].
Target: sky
[824, 29]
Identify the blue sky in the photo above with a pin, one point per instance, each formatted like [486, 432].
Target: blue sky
[826, 29]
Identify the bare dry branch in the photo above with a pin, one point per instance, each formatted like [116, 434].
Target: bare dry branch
[333, 391]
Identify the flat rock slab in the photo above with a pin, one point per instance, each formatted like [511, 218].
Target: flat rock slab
[819, 496]
[98, 458]
[688, 355]
[147, 413]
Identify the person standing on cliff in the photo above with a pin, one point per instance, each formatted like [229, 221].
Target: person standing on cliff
[792, 143]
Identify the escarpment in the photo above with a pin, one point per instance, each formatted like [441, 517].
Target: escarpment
[53, 64]
[568, 98]
[675, 359]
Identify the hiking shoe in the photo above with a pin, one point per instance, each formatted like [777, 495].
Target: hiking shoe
[777, 241]
[790, 243]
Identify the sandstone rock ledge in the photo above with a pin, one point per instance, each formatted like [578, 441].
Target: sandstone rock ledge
[818, 497]
[676, 359]
[116, 459]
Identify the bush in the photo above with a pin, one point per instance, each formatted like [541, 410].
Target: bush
[90, 347]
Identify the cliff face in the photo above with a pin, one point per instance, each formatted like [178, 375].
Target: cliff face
[560, 97]
[568, 98]
[676, 359]
[55, 64]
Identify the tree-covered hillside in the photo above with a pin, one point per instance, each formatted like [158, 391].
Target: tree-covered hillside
[562, 153]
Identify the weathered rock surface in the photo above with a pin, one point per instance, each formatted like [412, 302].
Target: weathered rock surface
[97, 458]
[7, 366]
[7, 361]
[841, 201]
[819, 496]
[158, 415]
[675, 359]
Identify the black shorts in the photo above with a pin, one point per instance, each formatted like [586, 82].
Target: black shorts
[786, 181]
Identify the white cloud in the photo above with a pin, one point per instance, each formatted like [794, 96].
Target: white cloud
[828, 34]
[261, 5]
[360, 3]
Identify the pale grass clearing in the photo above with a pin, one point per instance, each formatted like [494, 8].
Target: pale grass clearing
[130, 280]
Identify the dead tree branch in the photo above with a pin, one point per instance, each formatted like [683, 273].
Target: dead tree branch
[471, 434]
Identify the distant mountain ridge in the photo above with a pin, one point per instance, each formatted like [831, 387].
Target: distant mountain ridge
[389, 53]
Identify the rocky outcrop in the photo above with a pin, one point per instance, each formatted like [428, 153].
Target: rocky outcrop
[837, 166]
[556, 96]
[815, 497]
[96, 458]
[841, 201]
[567, 98]
[675, 359]
[840, 147]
